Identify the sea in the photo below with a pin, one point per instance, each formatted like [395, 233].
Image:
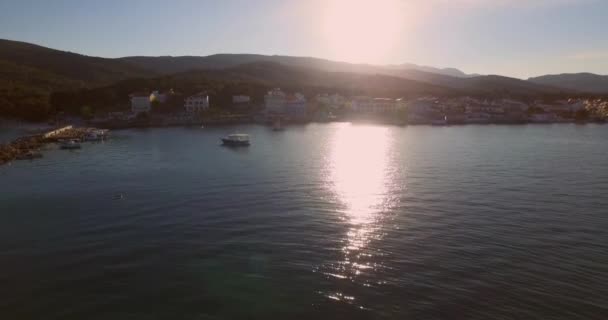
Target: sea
[326, 221]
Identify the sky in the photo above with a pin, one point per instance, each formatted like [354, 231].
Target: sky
[518, 38]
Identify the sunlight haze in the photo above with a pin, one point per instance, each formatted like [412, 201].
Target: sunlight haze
[513, 38]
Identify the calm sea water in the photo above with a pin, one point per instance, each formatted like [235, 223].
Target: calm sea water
[323, 220]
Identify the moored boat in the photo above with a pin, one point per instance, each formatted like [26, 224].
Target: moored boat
[92, 137]
[70, 145]
[236, 140]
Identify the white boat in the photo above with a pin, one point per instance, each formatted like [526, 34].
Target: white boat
[236, 140]
[69, 145]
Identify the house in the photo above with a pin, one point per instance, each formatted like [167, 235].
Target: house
[296, 105]
[140, 102]
[277, 102]
[197, 103]
[362, 104]
[333, 101]
[423, 110]
[274, 101]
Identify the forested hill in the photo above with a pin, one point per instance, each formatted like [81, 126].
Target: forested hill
[30, 74]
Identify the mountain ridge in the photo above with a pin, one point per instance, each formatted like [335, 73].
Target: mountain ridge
[30, 74]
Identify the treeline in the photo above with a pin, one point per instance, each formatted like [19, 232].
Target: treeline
[116, 97]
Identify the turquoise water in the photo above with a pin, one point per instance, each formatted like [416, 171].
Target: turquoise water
[323, 220]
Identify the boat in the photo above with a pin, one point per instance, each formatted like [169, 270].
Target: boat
[236, 140]
[93, 136]
[70, 145]
[30, 155]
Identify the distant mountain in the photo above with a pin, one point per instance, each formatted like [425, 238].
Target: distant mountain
[453, 72]
[505, 86]
[583, 82]
[277, 74]
[168, 64]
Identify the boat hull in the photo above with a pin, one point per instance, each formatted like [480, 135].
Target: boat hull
[70, 147]
[233, 143]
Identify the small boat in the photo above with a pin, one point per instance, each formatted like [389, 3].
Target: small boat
[30, 155]
[93, 136]
[70, 145]
[236, 140]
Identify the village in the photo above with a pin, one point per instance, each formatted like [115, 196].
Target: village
[294, 107]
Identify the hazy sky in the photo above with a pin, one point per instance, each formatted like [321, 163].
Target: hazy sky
[518, 38]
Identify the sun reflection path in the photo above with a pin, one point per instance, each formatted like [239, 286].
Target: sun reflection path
[360, 177]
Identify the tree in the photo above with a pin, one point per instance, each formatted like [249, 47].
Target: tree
[155, 106]
[86, 112]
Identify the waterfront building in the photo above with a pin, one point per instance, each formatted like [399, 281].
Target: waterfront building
[140, 102]
[332, 101]
[365, 104]
[423, 110]
[274, 101]
[277, 102]
[197, 103]
[296, 105]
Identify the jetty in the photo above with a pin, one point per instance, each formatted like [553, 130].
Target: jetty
[21, 147]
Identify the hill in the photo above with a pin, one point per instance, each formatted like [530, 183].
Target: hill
[448, 77]
[253, 79]
[30, 74]
[90, 71]
[169, 65]
[584, 82]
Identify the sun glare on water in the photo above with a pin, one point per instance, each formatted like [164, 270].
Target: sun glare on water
[362, 30]
[361, 175]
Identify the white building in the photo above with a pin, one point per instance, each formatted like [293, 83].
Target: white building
[296, 105]
[278, 102]
[241, 99]
[332, 101]
[197, 103]
[376, 105]
[140, 103]
[274, 101]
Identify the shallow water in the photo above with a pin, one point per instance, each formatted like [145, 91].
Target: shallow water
[325, 220]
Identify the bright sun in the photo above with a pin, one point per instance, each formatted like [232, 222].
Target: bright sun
[362, 30]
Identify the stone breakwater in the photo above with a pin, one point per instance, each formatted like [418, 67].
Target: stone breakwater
[21, 147]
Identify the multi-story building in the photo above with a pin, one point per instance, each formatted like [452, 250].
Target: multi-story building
[274, 101]
[364, 104]
[197, 103]
[140, 102]
[278, 102]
